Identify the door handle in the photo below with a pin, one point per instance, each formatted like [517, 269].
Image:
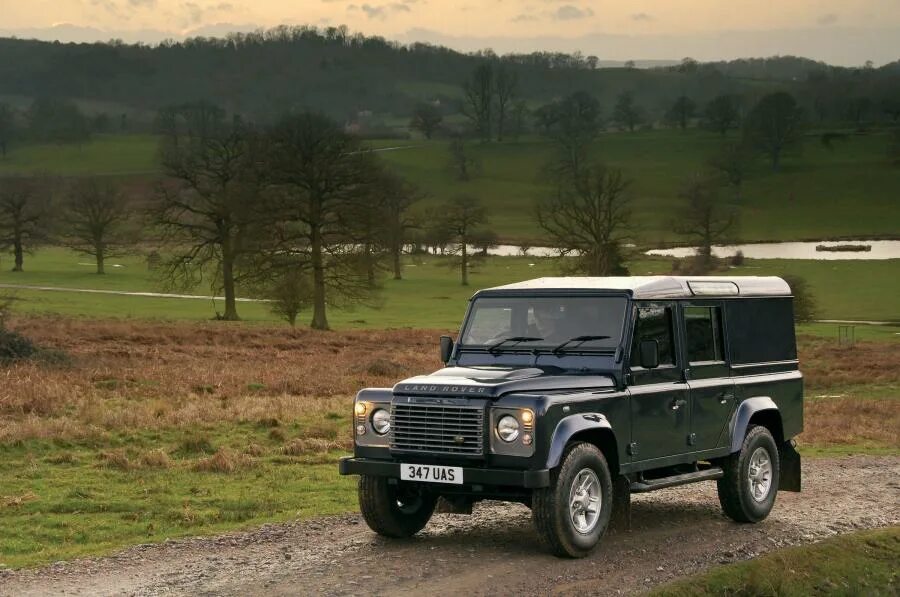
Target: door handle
[678, 404]
[725, 398]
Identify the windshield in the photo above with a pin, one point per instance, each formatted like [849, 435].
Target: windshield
[545, 323]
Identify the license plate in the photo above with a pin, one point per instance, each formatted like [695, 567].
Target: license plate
[431, 473]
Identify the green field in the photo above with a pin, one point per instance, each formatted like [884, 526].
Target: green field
[848, 192]
[118, 155]
[862, 563]
[65, 499]
[430, 296]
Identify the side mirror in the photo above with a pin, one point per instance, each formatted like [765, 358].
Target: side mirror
[446, 348]
[649, 353]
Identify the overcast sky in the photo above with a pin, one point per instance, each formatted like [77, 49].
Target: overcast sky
[837, 31]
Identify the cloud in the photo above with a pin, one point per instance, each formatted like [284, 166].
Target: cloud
[381, 11]
[827, 19]
[523, 18]
[642, 16]
[569, 12]
[196, 13]
[142, 3]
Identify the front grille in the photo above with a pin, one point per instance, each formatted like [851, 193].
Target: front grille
[437, 429]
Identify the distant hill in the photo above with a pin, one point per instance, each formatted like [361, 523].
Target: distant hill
[265, 73]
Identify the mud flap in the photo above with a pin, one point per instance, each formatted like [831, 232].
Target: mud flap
[620, 518]
[790, 467]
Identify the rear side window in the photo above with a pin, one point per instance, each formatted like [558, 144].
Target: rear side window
[703, 326]
[760, 330]
[654, 323]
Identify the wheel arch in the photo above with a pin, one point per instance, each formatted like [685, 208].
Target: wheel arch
[759, 410]
[592, 428]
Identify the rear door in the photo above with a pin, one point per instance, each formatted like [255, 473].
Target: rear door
[708, 373]
[660, 408]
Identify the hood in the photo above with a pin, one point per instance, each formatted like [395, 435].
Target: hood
[493, 382]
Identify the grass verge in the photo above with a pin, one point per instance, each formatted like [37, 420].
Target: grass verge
[863, 563]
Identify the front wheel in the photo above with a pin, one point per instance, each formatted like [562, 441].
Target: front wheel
[748, 489]
[394, 510]
[572, 514]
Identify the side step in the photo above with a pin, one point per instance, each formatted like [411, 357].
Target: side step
[709, 474]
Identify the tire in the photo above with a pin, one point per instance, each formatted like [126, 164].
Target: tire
[396, 511]
[551, 507]
[744, 499]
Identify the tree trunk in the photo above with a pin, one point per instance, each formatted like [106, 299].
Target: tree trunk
[395, 256]
[231, 313]
[101, 259]
[776, 159]
[19, 255]
[320, 319]
[464, 265]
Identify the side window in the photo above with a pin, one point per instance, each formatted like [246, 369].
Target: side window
[703, 326]
[654, 323]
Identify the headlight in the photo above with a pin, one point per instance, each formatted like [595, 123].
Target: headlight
[508, 428]
[381, 421]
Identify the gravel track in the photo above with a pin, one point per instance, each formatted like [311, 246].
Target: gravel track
[674, 532]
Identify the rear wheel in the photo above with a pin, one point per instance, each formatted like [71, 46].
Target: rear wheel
[748, 489]
[394, 510]
[572, 514]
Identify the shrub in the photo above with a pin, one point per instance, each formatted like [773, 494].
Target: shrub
[805, 307]
[737, 259]
[15, 347]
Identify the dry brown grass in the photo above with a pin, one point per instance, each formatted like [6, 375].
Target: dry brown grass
[224, 460]
[852, 422]
[155, 459]
[827, 365]
[146, 375]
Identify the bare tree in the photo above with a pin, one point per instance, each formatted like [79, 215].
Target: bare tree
[24, 216]
[209, 211]
[462, 164]
[590, 219]
[681, 112]
[478, 100]
[704, 217]
[7, 127]
[894, 147]
[730, 162]
[774, 126]
[96, 215]
[461, 217]
[398, 197]
[318, 172]
[290, 293]
[506, 84]
[573, 124]
[426, 119]
[627, 114]
[722, 113]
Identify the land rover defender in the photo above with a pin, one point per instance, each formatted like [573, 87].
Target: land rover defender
[569, 394]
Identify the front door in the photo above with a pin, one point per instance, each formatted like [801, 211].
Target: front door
[660, 405]
[709, 377]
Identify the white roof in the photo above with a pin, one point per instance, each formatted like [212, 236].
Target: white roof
[659, 287]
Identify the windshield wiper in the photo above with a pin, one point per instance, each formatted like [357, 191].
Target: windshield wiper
[578, 340]
[493, 348]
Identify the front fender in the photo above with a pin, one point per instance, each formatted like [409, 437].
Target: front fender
[742, 416]
[568, 428]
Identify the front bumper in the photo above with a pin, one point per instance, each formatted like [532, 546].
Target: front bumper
[471, 476]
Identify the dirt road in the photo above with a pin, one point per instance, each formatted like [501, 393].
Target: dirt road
[494, 551]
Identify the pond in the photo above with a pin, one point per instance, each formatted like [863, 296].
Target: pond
[880, 249]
